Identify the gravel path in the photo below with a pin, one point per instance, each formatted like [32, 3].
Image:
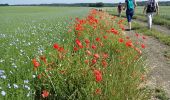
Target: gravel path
[159, 65]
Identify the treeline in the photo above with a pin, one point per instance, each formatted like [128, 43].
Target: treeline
[98, 4]
[4, 5]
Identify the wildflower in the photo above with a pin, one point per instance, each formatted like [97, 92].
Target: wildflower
[129, 44]
[75, 49]
[3, 93]
[120, 40]
[97, 39]
[86, 61]
[105, 37]
[143, 46]
[137, 35]
[55, 46]
[15, 86]
[45, 93]
[9, 86]
[27, 87]
[105, 55]
[94, 47]
[79, 43]
[94, 61]
[96, 56]
[3, 77]
[2, 72]
[144, 37]
[60, 49]
[87, 41]
[98, 75]
[36, 64]
[104, 63]
[88, 52]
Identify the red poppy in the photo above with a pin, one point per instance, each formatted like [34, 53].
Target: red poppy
[35, 63]
[86, 61]
[60, 49]
[98, 75]
[105, 37]
[137, 35]
[96, 56]
[75, 48]
[45, 93]
[87, 41]
[121, 40]
[104, 63]
[129, 44]
[79, 43]
[98, 39]
[143, 46]
[144, 37]
[105, 55]
[88, 52]
[94, 47]
[55, 46]
[94, 61]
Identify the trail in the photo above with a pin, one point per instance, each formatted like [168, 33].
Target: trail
[159, 65]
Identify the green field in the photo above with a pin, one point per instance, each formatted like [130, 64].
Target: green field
[26, 32]
[162, 19]
[69, 53]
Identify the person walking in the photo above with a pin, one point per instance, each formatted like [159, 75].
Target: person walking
[119, 9]
[150, 8]
[130, 6]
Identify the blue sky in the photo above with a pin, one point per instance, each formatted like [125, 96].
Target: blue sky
[60, 1]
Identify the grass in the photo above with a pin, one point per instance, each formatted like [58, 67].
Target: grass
[144, 30]
[140, 28]
[44, 56]
[162, 19]
[24, 33]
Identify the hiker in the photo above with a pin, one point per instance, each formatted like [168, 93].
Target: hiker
[119, 9]
[150, 8]
[130, 7]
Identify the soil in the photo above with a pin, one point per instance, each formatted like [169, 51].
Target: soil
[156, 62]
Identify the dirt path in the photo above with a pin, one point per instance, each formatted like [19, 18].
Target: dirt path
[159, 65]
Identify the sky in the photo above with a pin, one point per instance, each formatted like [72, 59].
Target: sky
[60, 1]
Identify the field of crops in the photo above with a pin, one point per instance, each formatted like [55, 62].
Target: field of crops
[68, 53]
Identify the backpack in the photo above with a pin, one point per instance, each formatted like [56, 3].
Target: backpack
[130, 4]
[151, 7]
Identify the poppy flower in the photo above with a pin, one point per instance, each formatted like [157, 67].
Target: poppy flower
[96, 56]
[35, 63]
[143, 46]
[94, 47]
[105, 37]
[104, 63]
[79, 43]
[45, 93]
[121, 40]
[75, 49]
[87, 41]
[55, 46]
[105, 55]
[98, 75]
[94, 61]
[129, 44]
[98, 39]
[88, 52]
